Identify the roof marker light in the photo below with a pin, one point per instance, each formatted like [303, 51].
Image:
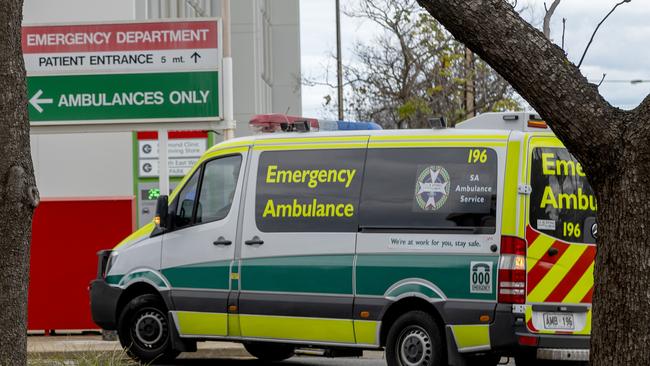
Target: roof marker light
[537, 124]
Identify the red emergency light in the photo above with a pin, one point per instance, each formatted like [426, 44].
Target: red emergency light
[284, 123]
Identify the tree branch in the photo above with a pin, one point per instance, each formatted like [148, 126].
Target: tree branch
[548, 16]
[536, 68]
[596, 30]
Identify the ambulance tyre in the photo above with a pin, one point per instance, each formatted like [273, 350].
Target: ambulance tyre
[143, 329]
[415, 340]
[269, 352]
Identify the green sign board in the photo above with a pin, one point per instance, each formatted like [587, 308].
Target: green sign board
[105, 97]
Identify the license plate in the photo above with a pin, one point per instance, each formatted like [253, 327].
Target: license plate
[559, 321]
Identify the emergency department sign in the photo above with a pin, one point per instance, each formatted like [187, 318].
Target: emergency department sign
[123, 72]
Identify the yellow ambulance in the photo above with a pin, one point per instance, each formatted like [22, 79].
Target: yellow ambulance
[442, 246]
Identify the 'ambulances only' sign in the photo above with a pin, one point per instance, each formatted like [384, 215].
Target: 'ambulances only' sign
[112, 97]
[123, 72]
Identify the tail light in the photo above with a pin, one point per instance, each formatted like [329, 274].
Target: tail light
[528, 340]
[512, 271]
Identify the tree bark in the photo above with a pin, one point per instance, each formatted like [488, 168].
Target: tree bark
[18, 193]
[612, 145]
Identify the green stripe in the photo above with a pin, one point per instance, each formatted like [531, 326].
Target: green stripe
[451, 273]
[147, 274]
[209, 275]
[325, 274]
[114, 279]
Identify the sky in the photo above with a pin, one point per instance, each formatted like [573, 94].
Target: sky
[621, 47]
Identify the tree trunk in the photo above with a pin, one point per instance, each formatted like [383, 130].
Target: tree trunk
[621, 305]
[18, 193]
[612, 145]
[470, 109]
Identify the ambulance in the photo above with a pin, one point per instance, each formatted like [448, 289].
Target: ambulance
[454, 246]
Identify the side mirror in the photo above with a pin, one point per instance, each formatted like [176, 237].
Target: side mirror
[162, 212]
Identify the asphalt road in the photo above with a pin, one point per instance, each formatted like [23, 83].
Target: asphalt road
[371, 360]
[294, 361]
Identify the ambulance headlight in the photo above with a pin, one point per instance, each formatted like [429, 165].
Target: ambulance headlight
[111, 261]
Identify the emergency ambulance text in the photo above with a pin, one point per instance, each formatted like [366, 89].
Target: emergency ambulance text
[577, 200]
[311, 177]
[551, 165]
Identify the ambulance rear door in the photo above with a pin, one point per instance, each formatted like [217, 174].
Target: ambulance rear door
[561, 233]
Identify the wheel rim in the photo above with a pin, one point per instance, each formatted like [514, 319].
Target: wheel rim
[415, 348]
[149, 329]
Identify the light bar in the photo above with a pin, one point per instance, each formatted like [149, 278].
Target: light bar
[267, 123]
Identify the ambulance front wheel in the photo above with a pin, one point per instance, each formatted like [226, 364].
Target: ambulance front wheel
[269, 351]
[414, 340]
[143, 329]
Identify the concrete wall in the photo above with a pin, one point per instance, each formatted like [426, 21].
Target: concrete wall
[48, 11]
[81, 165]
[265, 51]
[266, 59]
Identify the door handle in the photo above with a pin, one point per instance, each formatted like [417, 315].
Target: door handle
[222, 241]
[255, 241]
[553, 252]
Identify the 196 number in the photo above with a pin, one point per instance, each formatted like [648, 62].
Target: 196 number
[477, 156]
[571, 229]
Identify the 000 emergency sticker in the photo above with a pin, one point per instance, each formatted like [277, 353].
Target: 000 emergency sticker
[480, 278]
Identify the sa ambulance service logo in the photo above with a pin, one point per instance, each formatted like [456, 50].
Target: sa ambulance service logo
[432, 188]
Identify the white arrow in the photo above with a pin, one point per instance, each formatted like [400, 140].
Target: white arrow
[36, 102]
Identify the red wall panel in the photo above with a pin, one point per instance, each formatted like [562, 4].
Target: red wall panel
[66, 235]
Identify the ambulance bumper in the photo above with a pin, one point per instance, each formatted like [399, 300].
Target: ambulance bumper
[103, 303]
[508, 328]
[563, 354]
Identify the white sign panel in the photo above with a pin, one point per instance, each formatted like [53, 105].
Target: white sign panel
[178, 167]
[176, 148]
[123, 61]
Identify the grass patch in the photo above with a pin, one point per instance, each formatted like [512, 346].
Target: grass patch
[106, 358]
